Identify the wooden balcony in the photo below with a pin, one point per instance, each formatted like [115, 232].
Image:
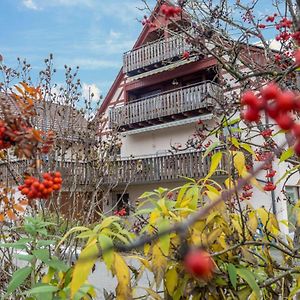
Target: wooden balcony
[169, 167]
[164, 107]
[155, 55]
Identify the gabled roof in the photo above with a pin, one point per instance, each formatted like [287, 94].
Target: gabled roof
[139, 42]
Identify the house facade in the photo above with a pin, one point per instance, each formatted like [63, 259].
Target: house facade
[163, 94]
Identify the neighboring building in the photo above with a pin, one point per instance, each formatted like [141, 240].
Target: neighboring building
[71, 155]
[156, 101]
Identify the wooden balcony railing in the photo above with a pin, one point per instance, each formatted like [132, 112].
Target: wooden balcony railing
[161, 168]
[139, 59]
[134, 170]
[177, 101]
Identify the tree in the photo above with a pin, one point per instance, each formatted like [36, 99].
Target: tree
[203, 240]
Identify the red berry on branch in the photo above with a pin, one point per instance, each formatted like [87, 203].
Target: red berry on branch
[284, 121]
[251, 115]
[270, 91]
[199, 263]
[285, 101]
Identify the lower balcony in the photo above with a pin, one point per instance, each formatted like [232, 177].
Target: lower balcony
[176, 104]
[170, 167]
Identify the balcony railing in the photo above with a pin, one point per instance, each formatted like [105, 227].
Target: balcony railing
[177, 101]
[154, 53]
[161, 168]
[168, 167]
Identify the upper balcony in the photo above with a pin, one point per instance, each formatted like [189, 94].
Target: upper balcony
[155, 54]
[167, 106]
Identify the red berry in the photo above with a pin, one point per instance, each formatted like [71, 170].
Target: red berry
[36, 184]
[272, 110]
[55, 187]
[25, 191]
[285, 101]
[57, 180]
[270, 91]
[249, 98]
[47, 176]
[284, 121]
[57, 174]
[251, 115]
[199, 263]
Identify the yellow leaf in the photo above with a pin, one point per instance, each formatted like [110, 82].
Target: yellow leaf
[252, 223]
[229, 183]
[213, 236]
[73, 230]
[47, 278]
[239, 162]
[121, 271]
[159, 264]
[153, 217]
[83, 266]
[171, 280]
[215, 160]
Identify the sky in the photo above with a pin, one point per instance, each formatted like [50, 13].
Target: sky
[91, 34]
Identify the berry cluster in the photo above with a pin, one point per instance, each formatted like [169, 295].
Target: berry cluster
[278, 105]
[269, 187]
[33, 188]
[271, 18]
[146, 21]
[6, 140]
[200, 264]
[121, 213]
[266, 133]
[170, 11]
[247, 193]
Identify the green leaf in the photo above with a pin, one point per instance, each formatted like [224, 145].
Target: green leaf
[43, 289]
[164, 241]
[54, 262]
[25, 257]
[249, 277]
[20, 244]
[41, 254]
[232, 274]
[43, 243]
[286, 154]
[18, 278]
[105, 243]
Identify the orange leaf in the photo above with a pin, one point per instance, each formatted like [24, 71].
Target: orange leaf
[23, 202]
[36, 134]
[19, 208]
[11, 214]
[1, 217]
